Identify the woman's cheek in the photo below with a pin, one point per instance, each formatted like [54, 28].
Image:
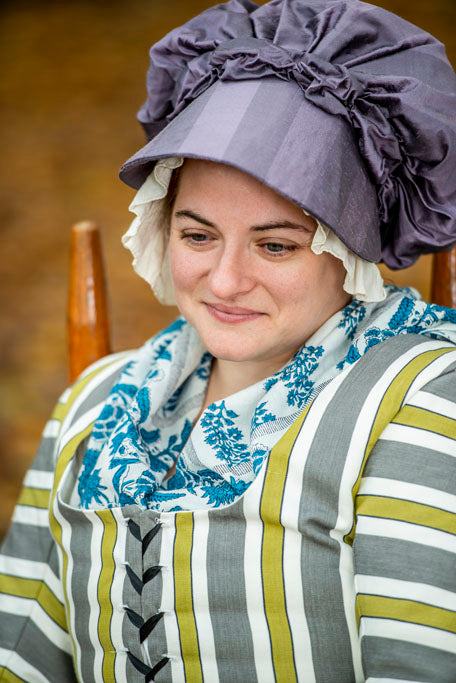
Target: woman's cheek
[180, 266]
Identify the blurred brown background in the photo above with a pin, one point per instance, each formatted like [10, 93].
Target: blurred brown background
[72, 80]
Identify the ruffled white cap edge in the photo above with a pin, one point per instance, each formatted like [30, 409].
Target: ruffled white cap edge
[147, 239]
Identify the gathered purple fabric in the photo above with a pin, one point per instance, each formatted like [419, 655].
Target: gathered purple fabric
[390, 80]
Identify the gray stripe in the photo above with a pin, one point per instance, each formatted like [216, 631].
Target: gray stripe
[322, 588]
[444, 385]
[44, 458]
[387, 658]
[30, 543]
[24, 637]
[81, 535]
[404, 560]
[98, 392]
[411, 464]
[227, 595]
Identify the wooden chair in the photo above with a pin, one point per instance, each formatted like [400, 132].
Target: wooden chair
[88, 322]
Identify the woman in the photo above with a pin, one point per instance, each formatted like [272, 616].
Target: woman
[265, 490]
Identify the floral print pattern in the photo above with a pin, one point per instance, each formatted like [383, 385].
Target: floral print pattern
[149, 420]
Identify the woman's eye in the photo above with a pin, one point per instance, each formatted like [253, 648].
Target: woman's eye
[276, 248]
[196, 237]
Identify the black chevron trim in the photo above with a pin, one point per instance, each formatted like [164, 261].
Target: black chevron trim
[136, 619]
[154, 671]
[149, 536]
[148, 626]
[140, 666]
[135, 580]
[135, 530]
[150, 573]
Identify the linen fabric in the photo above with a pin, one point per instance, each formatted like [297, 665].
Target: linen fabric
[360, 124]
[147, 239]
[351, 517]
[148, 420]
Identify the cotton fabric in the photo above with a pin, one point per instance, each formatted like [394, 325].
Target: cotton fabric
[146, 424]
[265, 587]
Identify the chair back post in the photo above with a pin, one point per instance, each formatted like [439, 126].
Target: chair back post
[443, 286]
[87, 321]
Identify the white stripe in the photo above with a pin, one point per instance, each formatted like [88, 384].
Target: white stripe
[120, 665]
[201, 597]
[30, 609]
[379, 486]
[403, 531]
[27, 514]
[293, 579]
[432, 370]
[436, 404]
[92, 594]
[407, 632]
[77, 427]
[70, 611]
[106, 359]
[39, 480]
[29, 569]
[419, 437]
[405, 590]
[253, 581]
[64, 396]
[168, 534]
[51, 429]
[99, 378]
[20, 667]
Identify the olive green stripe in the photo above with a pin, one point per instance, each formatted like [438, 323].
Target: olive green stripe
[272, 554]
[389, 406]
[412, 416]
[8, 676]
[38, 498]
[34, 589]
[377, 606]
[406, 511]
[56, 529]
[61, 410]
[65, 457]
[105, 582]
[183, 597]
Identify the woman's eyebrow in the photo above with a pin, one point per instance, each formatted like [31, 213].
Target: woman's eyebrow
[280, 224]
[186, 213]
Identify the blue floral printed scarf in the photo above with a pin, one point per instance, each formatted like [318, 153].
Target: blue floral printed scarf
[146, 424]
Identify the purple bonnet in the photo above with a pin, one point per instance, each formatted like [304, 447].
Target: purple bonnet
[340, 106]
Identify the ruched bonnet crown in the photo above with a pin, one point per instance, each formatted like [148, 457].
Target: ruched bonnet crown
[340, 106]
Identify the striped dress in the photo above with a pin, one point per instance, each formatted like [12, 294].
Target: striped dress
[336, 565]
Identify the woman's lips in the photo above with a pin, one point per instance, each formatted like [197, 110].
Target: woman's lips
[231, 314]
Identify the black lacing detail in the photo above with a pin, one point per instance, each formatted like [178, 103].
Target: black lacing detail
[145, 627]
[150, 573]
[149, 672]
[148, 537]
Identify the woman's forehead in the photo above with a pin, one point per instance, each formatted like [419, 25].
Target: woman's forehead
[213, 184]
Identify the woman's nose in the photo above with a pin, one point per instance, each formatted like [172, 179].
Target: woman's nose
[231, 275]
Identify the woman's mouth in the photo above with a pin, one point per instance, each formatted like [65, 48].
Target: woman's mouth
[231, 314]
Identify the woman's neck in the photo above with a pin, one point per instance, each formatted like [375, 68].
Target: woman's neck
[229, 377]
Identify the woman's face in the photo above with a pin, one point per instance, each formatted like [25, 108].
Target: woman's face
[244, 274]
